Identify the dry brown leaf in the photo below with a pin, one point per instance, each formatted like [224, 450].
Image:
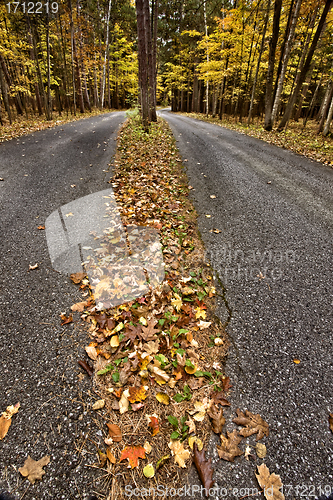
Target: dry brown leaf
[34, 470]
[91, 351]
[254, 424]
[123, 402]
[191, 425]
[204, 468]
[98, 405]
[77, 277]
[271, 483]
[148, 333]
[229, 446]
[330, 421]
[66, 320]
[112, 459]
[261, 450]
[31, 268]
[6, 419]
[115, 432]
[217, 419]
[79, 306]
[180, 454]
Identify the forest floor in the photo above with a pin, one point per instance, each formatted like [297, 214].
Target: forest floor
[296, 138]
[22, 125]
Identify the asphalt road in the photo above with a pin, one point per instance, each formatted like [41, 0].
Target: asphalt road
[274, 260]
[38, 356]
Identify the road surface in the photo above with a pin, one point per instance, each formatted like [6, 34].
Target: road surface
[273, 258]
[41, 172]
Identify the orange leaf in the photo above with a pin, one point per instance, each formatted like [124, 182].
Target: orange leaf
[154, 424]
[133, 453]
[66, 320]
[137, 394]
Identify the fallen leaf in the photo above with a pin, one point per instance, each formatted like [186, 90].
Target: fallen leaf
[115, 432]
[66, 320]
[152, 347]
[6, 419]
[154, 425]
[217, 231]
[148, 471]
[102, 458]
[123, 402]
[204, 468]
[112, 459]
[98, 405]
[132, 453]
[217, 418]
[69, 214]
[162, 461]
[31, 268]
[194, 439]
[41, 227]
[219, 399]
[271, 483]
[208, 216]
[137, 394]
[77, 277]
[34, 470]
[114, 342]
[212, 196]
[149, 332]
[79, 306]
[218, 341]
[204, 324]
[161, 375]
[163, 398]
[330, 420]
[191, 425]
[261, 450]
[177, 302]
[247, 452]
[226, 384]
[91, 351]
[200, 313]
[229, 446]
[254, 424]
[296, 361]
[147, 447]
[178, 451]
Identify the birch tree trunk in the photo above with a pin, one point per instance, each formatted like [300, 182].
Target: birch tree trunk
[329, 119]
[106, 52]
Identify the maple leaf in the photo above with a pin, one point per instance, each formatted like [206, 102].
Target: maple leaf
[154, 425]
[254, 424]
[114, 432]
[229, 446]
[132, 332]
[33, 470]
[132, 453]
[6, 419]
[66, 320]
[137, 394]
[204, 468]
[271, 483]
[200, 313]
[217, 418]
[180, 454]
[219, 399]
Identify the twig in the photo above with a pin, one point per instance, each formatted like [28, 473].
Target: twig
[25, 491]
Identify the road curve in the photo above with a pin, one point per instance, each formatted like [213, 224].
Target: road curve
[41, 172]
[274, 260]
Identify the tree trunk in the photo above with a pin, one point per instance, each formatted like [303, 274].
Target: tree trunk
[259, 61]
[329, 119]
[17, 100]
[49, 99]
[285, 60]
[5, 95]
[143, 70]
[306, 66]
[106, 51]
[271, 61]
[312, 103]
[328, 97]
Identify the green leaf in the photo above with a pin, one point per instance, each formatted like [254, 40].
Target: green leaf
[107, 369]
[187, 390]
[178, 398]
[208, 374]
[117, 361]
[173, 421]
[175, 363]
[180, 351]
[175, 435]
[115, 376]
[199, 373]
[192, 273]
[121, 337]
[182, 330]
[161, 321]
[189, 363]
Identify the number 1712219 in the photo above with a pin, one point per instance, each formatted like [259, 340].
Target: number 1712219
[32, 7]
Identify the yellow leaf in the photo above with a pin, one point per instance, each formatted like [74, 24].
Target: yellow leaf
[179, 452]
[98, 405]
[177, 302]
[194, 439]
[163, 398]
[200, 313]
[114, 342]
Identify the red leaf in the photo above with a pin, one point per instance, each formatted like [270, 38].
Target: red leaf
[154, 425]
[132, 453]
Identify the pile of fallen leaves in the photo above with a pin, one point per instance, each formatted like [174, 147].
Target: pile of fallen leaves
[158, 360]
[302, 140]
